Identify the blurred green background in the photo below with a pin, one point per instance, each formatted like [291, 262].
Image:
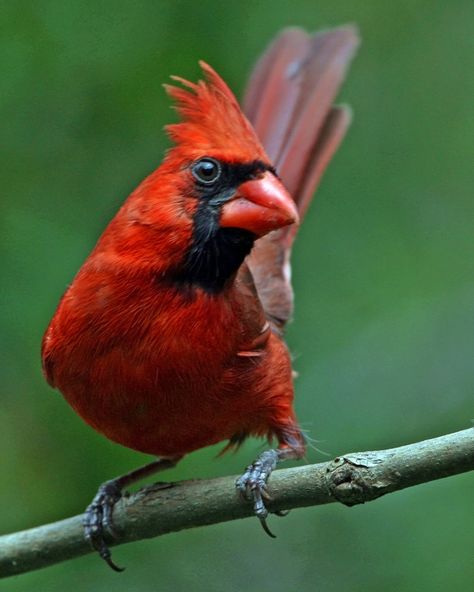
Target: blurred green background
[383, 270]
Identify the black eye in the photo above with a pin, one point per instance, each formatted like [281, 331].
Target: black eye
[206, 171]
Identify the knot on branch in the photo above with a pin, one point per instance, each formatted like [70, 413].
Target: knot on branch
[353, 480]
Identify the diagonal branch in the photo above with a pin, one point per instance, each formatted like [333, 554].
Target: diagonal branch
[162, 508]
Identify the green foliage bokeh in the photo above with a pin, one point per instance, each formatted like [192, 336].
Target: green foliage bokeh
[383, 335]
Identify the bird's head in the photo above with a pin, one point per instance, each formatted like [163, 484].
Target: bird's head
[216, 191]
[226, 165]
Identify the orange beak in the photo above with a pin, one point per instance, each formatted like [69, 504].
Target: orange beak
[260, 206]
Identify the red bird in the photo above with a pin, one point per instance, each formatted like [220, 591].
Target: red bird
[169, 338]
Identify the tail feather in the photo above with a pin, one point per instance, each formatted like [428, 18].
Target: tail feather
[323, 70]
[289, 101]
[274, 89]
[328, 141]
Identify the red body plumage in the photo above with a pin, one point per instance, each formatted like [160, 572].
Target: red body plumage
[170, 336]
[159, 367]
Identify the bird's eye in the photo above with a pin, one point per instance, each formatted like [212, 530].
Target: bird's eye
[206, 171]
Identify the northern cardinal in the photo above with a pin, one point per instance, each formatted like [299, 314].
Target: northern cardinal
[169, 338]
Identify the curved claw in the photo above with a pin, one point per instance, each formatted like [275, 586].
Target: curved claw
[281, 513]
[106, 555]
[113, 565]
[263, 522]
[98, 520]
[252, 485]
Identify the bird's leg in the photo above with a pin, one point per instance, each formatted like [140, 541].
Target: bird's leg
[253, 483]
[98, 515]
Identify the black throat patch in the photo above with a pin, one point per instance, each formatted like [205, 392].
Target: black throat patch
[217, 253]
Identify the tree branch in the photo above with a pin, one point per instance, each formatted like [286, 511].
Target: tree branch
[162, 508]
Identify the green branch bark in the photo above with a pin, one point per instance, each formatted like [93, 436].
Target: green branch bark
[351, 479]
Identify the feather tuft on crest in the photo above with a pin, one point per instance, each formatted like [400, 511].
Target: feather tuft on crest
[212, 122]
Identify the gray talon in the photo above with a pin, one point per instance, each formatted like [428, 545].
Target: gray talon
[252, 485]
[98, 520]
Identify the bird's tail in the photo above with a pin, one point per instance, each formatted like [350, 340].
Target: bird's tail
[289, 100]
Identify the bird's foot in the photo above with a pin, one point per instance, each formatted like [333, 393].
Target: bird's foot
[98, 515]
[98, 521]
[252, 485]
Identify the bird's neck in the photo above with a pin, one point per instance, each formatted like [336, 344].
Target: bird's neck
[207, 258]
[214, 257]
